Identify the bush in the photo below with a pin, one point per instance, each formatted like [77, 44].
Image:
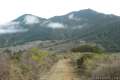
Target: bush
[30, 64]
[4, 67]
[87, 48]
[107, 72]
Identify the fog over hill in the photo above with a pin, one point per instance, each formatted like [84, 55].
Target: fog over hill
[86, 24]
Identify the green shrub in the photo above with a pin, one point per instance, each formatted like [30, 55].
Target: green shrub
[87, 48]
[38, 55]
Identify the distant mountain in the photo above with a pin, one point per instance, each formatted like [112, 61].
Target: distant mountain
[87, 25]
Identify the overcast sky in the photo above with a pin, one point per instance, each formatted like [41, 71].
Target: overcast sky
[11, 9]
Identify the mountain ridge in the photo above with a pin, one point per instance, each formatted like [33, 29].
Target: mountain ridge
[87, 25]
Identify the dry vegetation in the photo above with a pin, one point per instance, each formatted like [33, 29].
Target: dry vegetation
[33, 63]
[27, 65]
[93, 66]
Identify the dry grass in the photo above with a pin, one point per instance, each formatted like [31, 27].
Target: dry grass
[23, 66]
[99, 66]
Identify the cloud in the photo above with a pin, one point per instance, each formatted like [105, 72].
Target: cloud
[55, 25]
[5, 31]
[11, 27]
[31, 19]
[11, 9]
[71, 16]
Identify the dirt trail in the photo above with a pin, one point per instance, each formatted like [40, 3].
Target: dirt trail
[62, 70]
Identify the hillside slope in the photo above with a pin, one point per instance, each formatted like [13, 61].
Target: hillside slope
[87, 25]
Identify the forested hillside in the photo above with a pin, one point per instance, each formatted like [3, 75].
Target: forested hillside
[87, 25]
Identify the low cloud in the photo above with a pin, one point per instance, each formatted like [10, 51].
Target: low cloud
[5, 31]
[31, 19]
[12, 27]
[71, 16]
[55, 25]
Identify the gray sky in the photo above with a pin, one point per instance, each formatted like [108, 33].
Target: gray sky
[11, 9]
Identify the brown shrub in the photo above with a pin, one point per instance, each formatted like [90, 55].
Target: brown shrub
[4, 67]
[110, 71]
